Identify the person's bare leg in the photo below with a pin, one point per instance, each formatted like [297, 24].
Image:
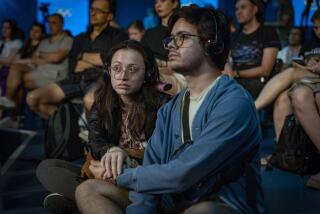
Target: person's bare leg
[282, 108]
[278, 84]
[29, 82]
[305, 108]
[46, 110]
[209, 207]
[50, 94]
[15, 79]
[97, 196]
[88, 100]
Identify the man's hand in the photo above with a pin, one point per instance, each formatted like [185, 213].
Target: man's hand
[82, 65]
[37, 60]
[113, 161]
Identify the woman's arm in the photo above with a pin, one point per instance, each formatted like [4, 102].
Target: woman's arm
[9, 59]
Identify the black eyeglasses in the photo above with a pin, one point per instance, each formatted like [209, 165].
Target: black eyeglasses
[98, 10]
[178, 39]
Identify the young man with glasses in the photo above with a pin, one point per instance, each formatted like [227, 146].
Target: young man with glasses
[203, 154]
[85, 61]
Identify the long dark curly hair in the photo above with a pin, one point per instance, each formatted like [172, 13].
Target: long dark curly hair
[146, 101]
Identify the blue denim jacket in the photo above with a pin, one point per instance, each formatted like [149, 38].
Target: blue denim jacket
[225, 127]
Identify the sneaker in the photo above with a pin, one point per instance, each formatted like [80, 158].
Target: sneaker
[5, 103]
[57, 203]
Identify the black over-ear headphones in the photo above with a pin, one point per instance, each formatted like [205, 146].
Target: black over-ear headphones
[214, 46]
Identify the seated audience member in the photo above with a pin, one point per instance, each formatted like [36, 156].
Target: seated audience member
[153, 37]
[204, 138]
[122, 120]
[293, 49]
[277, 88]
[305, 99]
[20, 65]
[10, 44]
[254, 47]
[51, 57]
[85, 61]
[47, 64]
[136, 30]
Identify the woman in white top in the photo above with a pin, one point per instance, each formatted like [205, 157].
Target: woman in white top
[10, 42]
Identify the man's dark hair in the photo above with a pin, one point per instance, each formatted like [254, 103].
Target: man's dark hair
[315, 16]
[60, 17]
[112, 6]
[212, 27]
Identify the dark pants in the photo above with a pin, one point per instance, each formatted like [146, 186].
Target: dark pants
[59, 176]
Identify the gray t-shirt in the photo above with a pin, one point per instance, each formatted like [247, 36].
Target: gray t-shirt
[59, 70]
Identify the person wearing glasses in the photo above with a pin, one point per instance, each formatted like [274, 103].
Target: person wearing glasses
[85, 61]
[254, 47]
[121, 121]
[203, 154]
[153, 37]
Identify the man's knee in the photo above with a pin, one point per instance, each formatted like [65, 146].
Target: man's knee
[84, 190]
[210, 208]
[32, 99]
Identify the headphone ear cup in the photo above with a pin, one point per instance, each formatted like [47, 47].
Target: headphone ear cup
[213, 48]
[150, 75]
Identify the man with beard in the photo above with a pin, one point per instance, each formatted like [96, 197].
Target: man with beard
[85, 60]
[203, 154]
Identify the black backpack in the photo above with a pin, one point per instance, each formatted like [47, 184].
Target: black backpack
[61, 138]
[295, 152]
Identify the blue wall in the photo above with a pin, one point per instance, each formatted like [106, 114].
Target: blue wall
[23, 11]
[129, 10]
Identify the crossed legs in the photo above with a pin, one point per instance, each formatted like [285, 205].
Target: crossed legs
[97, 196]
[278, 84]
[306, 105]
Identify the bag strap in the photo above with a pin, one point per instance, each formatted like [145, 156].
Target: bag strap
[185, 118]
[61, 147]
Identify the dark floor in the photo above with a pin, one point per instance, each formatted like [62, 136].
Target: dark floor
[22, 193]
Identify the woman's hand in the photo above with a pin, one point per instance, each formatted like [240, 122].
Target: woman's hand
[314, 64]
[113, 161]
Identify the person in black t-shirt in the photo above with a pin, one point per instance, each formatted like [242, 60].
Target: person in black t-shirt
[253, 48]
[153, 37]
[85, 61]
[276, 90]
